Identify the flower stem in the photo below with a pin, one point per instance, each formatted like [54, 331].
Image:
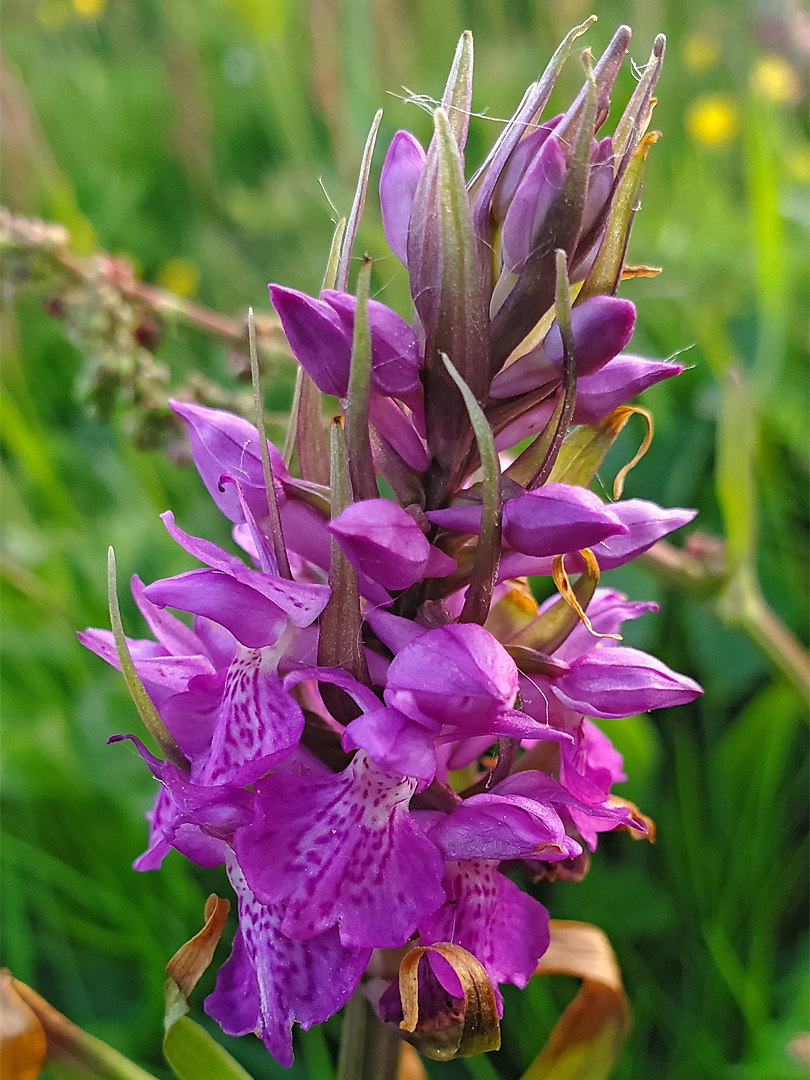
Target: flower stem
[369, 1049]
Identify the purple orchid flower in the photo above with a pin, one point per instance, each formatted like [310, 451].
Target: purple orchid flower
[373, 718]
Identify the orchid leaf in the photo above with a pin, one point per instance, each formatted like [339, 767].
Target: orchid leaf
[487, 551]
[339, 642]
[457, 97]
[588, 1036]
[358, 447]
[342, 278]
[274, 517]
[448, 1036]
[607, 270]
[137, 691]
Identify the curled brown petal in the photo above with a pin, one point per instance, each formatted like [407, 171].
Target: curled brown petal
[191, 959]
[449, 1035]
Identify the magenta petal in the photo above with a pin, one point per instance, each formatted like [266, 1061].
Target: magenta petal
[252, 618]
[492, 918]
[452, 675]
[317, 336]
[160, 818]
[172, 672]
[394, 743]
[365, 698]
[381, 540]
[395, 355]
[174, 635]
[224, 443]
[342, 851]
[601, 326]
[399, 430]
[210, 554]
[645, 522]
[466, 517]
[536, 192]
[616, 682]
[607, 611]
[558, 518]
[498, 826]
[401, 172]
[271, 981]
[259, 723]
[617, 382]
[192, 715]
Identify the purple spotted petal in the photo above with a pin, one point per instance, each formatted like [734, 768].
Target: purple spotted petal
[160, 818]
[224, 443]
[342, 851]
[381, 540]
[556, 519]
[401, 173]
[452, 675]
[191, 715]
[259, 723]
[492, 918]
[616, 682]
[617, 382]
[171, 672]
[270, 982]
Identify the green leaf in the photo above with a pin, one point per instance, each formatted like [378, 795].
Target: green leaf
[487, 550]
[194, 1055]
[358, 447]
[143, 703]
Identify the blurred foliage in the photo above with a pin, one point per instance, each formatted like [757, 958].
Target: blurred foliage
[204, 141]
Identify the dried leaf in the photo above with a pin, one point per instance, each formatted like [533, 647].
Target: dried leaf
[636, 815]
[587, 1038]
[188, 1048]
[65, 1043]
[22, 1038]
[570, 595]
[410, 1064]
[190, 961]
[586, 447]
[448, 1035]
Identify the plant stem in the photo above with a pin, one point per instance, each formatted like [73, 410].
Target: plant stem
[369, 1049]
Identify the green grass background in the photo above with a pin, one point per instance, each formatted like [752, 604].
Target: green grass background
[200, 131]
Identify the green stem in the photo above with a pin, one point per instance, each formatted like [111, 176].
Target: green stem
[369, 1049]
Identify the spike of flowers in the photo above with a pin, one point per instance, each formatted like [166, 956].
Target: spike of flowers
[334, 707]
